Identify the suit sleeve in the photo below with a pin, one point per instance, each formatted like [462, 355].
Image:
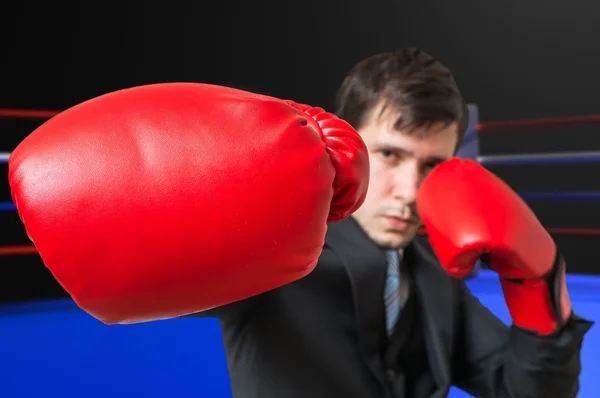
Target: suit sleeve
[232, 311]
[496, 361]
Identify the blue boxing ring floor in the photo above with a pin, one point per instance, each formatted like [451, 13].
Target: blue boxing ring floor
[53, 349]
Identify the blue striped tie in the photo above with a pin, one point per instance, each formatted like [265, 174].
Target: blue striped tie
[392, 290]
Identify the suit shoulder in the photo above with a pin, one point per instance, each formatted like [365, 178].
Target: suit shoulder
[429, 265]
[424, 250]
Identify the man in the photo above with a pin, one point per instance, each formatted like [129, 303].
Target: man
[334, 333]
[224, 198]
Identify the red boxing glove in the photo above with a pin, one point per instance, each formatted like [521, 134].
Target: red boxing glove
[165, 200]
[470, 213]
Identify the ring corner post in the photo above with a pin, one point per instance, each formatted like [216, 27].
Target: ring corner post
[469, 149]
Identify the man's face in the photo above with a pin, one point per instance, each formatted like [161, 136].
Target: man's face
[399, 162]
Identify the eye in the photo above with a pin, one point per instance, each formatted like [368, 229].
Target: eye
[386, 153]
[390, 157]
[427, 167]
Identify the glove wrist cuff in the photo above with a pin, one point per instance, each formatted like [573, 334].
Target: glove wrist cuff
[541, 305]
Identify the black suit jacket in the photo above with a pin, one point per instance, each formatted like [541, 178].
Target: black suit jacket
[324, 336]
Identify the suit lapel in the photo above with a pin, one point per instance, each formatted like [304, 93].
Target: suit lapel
[366, 266]
[437, 309]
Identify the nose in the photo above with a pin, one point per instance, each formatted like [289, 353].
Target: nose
[406, 182]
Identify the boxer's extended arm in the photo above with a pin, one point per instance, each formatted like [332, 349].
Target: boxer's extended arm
[496, 361]
[233, 311]
[233, 188]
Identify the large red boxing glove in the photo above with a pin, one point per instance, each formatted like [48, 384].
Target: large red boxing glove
[470, 213]
[166, 200]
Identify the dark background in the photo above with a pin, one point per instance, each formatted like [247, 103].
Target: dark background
[514, 59]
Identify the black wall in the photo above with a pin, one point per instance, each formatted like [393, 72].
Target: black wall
[514, 59]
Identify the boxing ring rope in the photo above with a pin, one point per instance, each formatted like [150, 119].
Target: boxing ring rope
[550, 158]
[475, 128]
[7, 206]
[560, 196]
[27, 113]
[17, 250]
[545, 122]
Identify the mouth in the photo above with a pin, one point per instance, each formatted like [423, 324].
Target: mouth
[398, 223]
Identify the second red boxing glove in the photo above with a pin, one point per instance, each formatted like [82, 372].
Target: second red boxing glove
[470, 213]
[170, 199]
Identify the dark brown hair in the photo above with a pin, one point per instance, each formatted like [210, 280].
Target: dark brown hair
[416, 85]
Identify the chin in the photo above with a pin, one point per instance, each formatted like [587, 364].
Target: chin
[394, 239]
